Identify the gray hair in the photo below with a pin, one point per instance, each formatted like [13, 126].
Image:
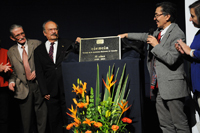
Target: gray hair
[43, 26]
[14, 26]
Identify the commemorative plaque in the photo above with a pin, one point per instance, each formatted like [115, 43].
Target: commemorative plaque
[100, 48]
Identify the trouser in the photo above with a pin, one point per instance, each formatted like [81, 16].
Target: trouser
[33, 105]
[4, 105]
[171, 115]
[57, 117]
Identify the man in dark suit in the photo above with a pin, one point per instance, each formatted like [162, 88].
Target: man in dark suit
[25, 85]
[166, 68]
[48, 58]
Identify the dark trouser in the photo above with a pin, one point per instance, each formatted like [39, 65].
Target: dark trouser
[57, 117]
[171, 115]
[33, 105]
[4, 105]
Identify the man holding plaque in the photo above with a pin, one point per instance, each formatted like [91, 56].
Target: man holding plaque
[166, 68]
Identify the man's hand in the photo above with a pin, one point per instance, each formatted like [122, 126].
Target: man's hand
[152, 41]
[78, 40]
[33, 76]
[125, 35]
[47, 97]
[11, 86]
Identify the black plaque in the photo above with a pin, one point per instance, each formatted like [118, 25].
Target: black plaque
[100, 48]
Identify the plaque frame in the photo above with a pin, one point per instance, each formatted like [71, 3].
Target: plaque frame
[100, 49]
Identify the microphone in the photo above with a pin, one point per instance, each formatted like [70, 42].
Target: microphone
[151, 30]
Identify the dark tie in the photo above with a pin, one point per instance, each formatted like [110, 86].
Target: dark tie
[26, 64]
[51, 51]
[154, 83]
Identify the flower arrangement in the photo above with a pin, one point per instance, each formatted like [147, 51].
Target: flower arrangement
[93, 115]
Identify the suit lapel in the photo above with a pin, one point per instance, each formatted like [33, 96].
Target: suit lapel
[30, 49]
[16, 53]
[167, 34]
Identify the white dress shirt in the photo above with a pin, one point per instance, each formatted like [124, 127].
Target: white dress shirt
[20, 49]
[48, 45]
[164, 31]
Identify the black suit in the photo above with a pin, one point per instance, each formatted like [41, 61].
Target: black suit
[50, 80]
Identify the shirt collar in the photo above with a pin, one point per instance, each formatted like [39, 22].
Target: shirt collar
[25, 45]
[48, 42]
[164, 31]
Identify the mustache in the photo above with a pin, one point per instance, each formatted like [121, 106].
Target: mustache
[54, 34]
[21, 38]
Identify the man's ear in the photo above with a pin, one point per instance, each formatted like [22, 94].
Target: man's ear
[44, 33]
[12, 38]
[168, 17]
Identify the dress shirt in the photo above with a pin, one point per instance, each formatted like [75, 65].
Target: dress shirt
[164, 31]
[48, 44]
[21, 49]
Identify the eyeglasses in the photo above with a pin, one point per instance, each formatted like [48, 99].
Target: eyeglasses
[157, 15]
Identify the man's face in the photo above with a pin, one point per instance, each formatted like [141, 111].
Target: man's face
[194, 18]
[51, 31]
[160, 18]
[18, 35]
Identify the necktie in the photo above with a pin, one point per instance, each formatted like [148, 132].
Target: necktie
[159, 37]
[154, 76]
[26, 64]
[51, 51]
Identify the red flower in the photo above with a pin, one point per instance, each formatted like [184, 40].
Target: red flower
[126, 120]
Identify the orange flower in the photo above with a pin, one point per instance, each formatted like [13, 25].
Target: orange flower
[73, 111]
[115, 127]
[69, 126]
[97, 124]
[81, 104]
[109, 83]
[88, 131]
[127, 120]
[87, 121]
[123, 106]
[79, 90]
[77, 122]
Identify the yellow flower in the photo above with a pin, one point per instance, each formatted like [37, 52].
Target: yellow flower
[109, 83]
[87, 121]
[123, 106]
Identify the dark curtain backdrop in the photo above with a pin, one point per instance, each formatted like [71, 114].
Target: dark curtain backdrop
[88, 18]
[84, 18]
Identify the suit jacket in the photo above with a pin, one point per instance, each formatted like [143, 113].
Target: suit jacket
[169, 65]
[49, 75]
[18, 76]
